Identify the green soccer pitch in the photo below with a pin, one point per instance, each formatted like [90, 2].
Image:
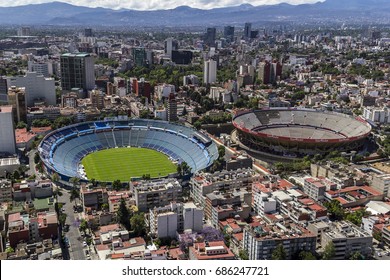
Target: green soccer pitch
[124, 163]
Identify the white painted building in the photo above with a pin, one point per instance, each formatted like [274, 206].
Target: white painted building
[7, 131]
[380, 115]
[41, 68]
[164, 90]
[166, 221]
[210, 72]
[263, 204]
[37, 88]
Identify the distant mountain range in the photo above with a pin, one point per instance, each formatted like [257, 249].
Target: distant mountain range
[58, 13]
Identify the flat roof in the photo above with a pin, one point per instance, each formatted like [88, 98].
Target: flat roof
[9, 161]
[5, 109]
[75, 55]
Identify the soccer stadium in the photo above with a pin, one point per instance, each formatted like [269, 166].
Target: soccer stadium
[121, 150]
[298, 132]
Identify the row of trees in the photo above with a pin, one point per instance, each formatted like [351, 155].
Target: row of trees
[57, 123]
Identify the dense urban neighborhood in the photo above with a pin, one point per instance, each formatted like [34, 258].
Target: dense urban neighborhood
[241, 141]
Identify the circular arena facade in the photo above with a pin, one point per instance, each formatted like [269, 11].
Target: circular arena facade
[298, 132]
[62, 150]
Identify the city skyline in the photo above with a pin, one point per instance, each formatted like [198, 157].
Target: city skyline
[159, 5]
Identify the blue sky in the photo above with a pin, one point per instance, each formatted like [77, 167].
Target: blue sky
[156, 4]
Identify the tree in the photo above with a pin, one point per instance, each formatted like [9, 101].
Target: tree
[41, 123]
[137, 223]
[9, 250]
[356, 217]
[37, 158]
[184, 111]
[279, 253]
[198, 124]
[356, 256]
[16, 175]
[62, 218]
[329, 251]
[75, 192]
[243, 255]
[55, 178]
[306, 256]
[117, 185]
[123, 214]
[335, 209]
[93, 182]
[221, 152]
[83, 226]
[21, 125]
[105, 206]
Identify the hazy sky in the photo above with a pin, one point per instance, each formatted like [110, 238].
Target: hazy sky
[156, 4]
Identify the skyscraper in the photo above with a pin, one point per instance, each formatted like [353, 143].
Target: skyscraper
[228, 33]
[77, 71]
[170, 45]
[7, 135]
[139, 56]
[248, 30]
[210, 36]
[210, 72]
[88, 32]
[3, 91]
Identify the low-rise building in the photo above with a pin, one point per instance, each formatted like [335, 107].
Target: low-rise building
[354, 196]
[204, 183]
[347, 239]
[216, 250]
[262, 238]
[5, 191]
[93, 198]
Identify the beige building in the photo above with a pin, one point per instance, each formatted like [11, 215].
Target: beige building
[156, 193]
[5, 191]
[347, 239]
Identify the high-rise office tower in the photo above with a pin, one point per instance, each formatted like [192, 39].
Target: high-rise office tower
[7, 135]
[77, 71]
[248, 30]
[139, 56]
[3, 91]
[210, 72]
[228, 33]
[17, 99]
[170, 45]
[210, 36]
[88, 32]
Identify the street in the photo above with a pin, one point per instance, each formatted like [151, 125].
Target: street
[76, 250]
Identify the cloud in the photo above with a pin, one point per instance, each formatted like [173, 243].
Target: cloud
[157, 4]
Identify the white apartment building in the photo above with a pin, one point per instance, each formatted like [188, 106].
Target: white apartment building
[166, 221]
[37, 87]
[7, 135]
[210, 72]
